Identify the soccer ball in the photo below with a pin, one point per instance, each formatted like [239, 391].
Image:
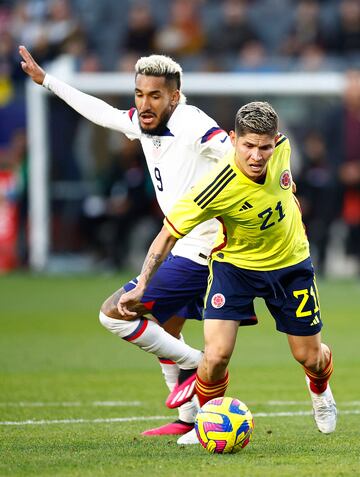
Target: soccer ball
[224, 425]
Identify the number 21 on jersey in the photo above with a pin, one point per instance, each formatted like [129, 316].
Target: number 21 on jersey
[303, 296]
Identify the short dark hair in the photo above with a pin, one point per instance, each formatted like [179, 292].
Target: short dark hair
[257, 117]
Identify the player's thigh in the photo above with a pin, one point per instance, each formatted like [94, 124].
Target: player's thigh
[228, 295]
[295, 306]
[176, 289]
[219, 337]
[174, 325]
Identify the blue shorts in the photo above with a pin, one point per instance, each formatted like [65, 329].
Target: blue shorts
[177, 288]
[290, 294]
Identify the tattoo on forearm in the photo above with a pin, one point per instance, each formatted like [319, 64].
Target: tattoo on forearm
[151, 264]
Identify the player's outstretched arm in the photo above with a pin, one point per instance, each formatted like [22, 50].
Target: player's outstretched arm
[158, 251]
[31, 68]
[91, 108]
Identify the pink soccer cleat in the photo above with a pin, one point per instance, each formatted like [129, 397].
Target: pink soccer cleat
[182, 392]
[177, 428]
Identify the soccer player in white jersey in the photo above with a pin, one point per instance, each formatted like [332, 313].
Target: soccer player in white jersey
[181, 143]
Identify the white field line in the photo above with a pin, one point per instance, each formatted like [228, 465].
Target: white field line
[25, 404]
[83, 421]
[72, 404]
[301, 403]
[150, 418]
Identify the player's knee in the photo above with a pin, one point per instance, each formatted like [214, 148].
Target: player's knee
[118, 327]
[113, 324]
[105, 320]
[109, 307]
[216, 360]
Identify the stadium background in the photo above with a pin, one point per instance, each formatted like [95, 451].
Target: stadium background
[102, 207]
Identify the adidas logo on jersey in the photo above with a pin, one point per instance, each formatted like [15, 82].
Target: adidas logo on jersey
[245, 206]
[316, 321]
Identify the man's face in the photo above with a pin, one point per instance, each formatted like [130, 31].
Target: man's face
[252, 153]
[155, 101]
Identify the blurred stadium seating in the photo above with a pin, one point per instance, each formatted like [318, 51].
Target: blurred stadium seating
[91, 171]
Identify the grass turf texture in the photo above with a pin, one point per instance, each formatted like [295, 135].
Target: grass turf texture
[52, 350]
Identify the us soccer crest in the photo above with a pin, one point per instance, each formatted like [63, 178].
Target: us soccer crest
[156, 142]
[285, 179]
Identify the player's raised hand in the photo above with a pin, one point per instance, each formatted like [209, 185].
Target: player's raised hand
[29, 65]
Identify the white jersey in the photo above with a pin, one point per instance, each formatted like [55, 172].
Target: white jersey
[189, 147]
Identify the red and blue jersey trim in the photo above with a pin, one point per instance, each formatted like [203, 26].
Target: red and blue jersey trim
[131, 113]
[211, 133]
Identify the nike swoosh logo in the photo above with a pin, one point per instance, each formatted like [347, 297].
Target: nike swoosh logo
[223, 140]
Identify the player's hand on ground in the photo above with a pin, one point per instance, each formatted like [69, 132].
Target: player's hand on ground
[128, 302]
[31, 68]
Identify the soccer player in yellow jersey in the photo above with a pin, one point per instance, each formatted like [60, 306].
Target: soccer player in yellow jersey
[262, 251]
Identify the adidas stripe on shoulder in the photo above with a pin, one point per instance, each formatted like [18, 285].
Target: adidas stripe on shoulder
[215, 187]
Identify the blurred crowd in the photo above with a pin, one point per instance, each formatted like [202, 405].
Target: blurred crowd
[225, 35]
[203, 35]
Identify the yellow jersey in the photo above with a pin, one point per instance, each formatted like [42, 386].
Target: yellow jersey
[261, 225]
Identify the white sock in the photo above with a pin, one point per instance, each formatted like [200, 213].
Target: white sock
[150, 337]
[188, 411]
[170, 371]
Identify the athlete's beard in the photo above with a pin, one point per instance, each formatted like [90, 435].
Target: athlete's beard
[160, 128]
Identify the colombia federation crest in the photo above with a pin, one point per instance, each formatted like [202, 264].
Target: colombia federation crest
[285, 179]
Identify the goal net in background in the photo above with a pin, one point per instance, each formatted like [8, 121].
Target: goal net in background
[55, 202]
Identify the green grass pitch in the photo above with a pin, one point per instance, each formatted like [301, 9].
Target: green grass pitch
[74, 398]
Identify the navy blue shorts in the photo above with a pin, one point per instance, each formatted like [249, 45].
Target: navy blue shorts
[177, 288]
[290, 294]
